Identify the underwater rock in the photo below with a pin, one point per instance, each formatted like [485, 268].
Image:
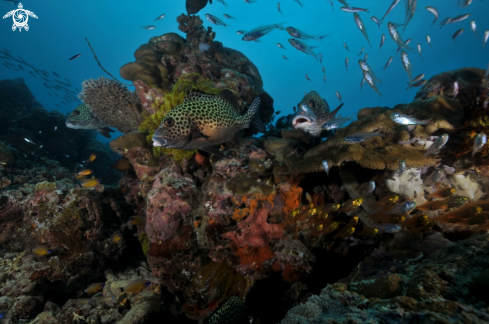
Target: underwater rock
[401, 285]
[442, 83]
[16, 91]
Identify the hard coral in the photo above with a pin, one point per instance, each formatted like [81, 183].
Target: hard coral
[112, 103]
[380, 153]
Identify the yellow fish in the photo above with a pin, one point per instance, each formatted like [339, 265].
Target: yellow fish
[388, 200]
[137, 220]
[368, 231]
[345, 232]
[330, 208]
[116, 238]
[350, 205]
[90, 183]
[93, 288]
[41, 250]
[84, 172]
[136, 286]
[442, 193]
[92, 157]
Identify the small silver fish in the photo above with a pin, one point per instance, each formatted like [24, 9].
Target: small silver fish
[370, 80]
[353, 9]
[407, 65]
[456, 89]
[459, 18]
[457, 33]
[388, 227]
[402, 208]
[361, 51]
[41, 146]
[55, 128]
[445, 22]
[388, 62]
[402, 119]
[346, 63]
[285, 57]
[160, 17]
[280, 46]
[336, 123]
[382, 40]
[278, 8]
[346, 46]
[391, 7]
[303, 47]
[338, 95]
[307, 78]
[486, 37]
[365, 57]
[434, 11]
[320, 58]
[419, 51]
[473, 26]
[148, 27]
[375, 20]
[216, 21]
[428, 40]
[261, 31]
[396, 36]
[437, 145]
[300, 4]
[250, 1]
[479, 142]
[359, 137]
[324, 70]
[324, 78]
[326, 167]
[416, 84]
[228, 16]
[361, 26]
[294, 32]
[29, 141]
[371, 187]
[222, 1]
[402, 167]
[241, 32]
[434, 177]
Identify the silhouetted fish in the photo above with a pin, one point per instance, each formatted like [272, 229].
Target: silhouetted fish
[194, 6]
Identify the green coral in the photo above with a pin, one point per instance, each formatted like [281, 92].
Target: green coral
[144, 240]
[185, 84]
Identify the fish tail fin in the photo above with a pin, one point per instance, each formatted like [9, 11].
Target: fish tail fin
[252, 116]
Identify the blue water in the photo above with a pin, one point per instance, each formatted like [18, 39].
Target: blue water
[113, 28]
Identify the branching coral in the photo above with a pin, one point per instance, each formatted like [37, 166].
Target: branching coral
[112, 103]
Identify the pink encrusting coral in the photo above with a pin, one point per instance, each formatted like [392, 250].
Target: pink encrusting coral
[169, 203]
[147, 95]
[254, 231]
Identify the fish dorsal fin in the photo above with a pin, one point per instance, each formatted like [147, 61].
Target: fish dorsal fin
[229, 96]
[197, 95]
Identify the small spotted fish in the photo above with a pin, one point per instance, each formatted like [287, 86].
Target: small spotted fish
[204, 120]
[136, 286]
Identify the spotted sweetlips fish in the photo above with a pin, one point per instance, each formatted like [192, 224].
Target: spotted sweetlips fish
[313, 113]
[83, 118]
[204, 120]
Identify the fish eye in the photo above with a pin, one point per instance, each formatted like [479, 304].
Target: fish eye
[76, 112]
[169, 122]
[311, 104]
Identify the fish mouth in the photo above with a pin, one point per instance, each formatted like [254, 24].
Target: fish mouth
[159, 141]
[301, 121]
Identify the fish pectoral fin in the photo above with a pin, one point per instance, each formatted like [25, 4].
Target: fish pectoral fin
[103, 132]
[212, 150]
[333, 113]
[108, 129]
[195, 132]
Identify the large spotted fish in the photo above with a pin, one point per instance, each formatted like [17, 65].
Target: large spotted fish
[83, 118]
[313, 113]
[230, 311]
[204, 120]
